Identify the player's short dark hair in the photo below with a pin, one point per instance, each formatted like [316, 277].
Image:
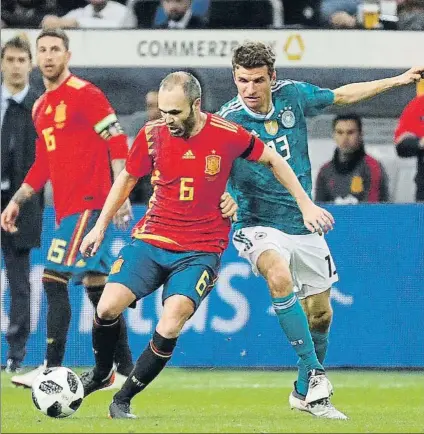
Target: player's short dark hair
[20, 42]
[254, 55]
[348, 117]
[187, 81]
[55, 33]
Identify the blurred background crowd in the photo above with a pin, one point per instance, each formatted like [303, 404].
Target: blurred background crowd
[214, 14]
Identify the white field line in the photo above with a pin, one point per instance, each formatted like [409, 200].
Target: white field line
[283, 385]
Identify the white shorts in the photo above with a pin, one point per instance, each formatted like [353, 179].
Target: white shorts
[311, 264]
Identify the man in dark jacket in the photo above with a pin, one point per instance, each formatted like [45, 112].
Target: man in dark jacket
[179, 15]
[17, 155]
[26, 13]
[351, 176]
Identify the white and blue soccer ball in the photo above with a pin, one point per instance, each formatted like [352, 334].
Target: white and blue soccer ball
[57, 392]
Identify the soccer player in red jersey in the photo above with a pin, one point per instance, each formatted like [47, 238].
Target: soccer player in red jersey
[78, 134]
[179, 241]
[409, 139]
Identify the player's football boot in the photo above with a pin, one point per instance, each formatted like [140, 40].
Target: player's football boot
[118, 382]
[319, 386]
[91, 383]
[322, 408]
[120, 410]
[13, 366]
[26, 380]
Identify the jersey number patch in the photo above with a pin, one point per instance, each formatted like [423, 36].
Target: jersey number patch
[57, 251]
[49, 138]
[280, 144]
[186, 189]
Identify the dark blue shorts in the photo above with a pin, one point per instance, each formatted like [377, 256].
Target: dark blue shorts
[64, 256]
[143, 268]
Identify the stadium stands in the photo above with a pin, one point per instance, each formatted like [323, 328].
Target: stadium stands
[227, 14]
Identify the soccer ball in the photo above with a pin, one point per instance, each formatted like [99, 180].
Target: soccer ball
[57, 392]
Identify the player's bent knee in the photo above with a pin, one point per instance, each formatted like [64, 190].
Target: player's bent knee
[280, 282]
[114, 300]
[106, 310]
[275, 269]
[320, 320]
[177, 310]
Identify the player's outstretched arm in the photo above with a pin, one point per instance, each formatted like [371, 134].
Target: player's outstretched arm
[356, 92]
[316, 219]
[11, 212]
[118, 194]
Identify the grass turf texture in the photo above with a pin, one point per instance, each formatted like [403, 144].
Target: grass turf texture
[233, 401]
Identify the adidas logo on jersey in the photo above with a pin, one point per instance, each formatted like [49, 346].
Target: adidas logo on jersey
[189, 155]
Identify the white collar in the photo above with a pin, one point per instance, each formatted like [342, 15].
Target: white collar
[181, 24]
[255, 115]
[18, 97]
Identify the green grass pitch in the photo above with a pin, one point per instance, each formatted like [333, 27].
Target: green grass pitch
[234, 401]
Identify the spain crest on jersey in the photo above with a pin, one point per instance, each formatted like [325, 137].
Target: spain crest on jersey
[213, 164]
[60, 113]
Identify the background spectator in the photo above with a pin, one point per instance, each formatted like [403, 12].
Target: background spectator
[17, 155]
[26, 13]
[143, 189]
[351, 176]
[409, 139]
[179, 15]
[199, 8]
[98, 14]
[339, 14]
[68, 5]
[151, 113]
[411, 15]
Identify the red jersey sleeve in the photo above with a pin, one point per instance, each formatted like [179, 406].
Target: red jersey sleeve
[409, 120]
[102, 117]
[139, 162]
[39, 173]
[251, 148]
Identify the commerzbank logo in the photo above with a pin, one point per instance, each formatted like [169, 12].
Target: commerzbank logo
[294, 48]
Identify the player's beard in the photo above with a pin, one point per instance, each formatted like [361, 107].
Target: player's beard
[55, 74]
[188, 124]
[175, 15]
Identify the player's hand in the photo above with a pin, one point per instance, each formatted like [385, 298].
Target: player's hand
[91, 242]
[228, 207]
[413, 75]
[123, 217]
[9, 216]
[317, 219]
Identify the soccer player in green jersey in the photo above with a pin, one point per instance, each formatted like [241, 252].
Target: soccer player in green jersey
[270, 233]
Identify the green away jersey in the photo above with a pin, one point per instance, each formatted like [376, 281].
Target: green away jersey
[262, 200]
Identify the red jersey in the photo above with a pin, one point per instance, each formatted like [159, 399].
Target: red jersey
[411, 122]
[78, 135]
[189, 177]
